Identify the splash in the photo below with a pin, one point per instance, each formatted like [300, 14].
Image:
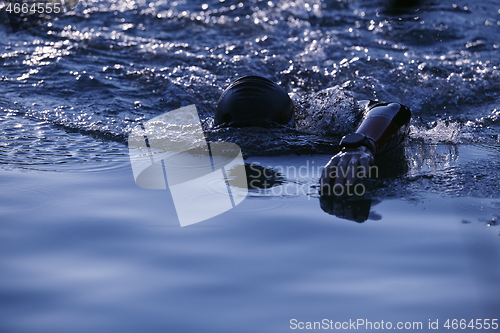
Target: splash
[443, 131]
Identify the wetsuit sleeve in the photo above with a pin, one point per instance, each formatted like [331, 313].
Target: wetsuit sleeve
[386, 124]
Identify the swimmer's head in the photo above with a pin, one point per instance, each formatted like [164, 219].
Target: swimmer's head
[253, 100]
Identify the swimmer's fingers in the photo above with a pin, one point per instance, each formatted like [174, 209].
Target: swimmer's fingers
[329, 173]
[346, 168]
[358, 166]
[338, 171]
[351, 174]
[364, 165]
[342, 169]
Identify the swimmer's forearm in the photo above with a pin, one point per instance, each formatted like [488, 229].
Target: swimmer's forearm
[386, 125]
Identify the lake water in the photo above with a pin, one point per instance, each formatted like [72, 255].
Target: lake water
[83, 248]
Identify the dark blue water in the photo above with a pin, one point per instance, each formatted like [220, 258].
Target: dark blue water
[83, 248]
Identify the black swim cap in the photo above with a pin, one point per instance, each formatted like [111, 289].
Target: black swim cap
[252, 100]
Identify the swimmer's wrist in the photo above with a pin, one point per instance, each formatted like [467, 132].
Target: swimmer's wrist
[357, 140]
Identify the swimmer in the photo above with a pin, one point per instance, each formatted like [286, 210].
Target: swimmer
[257, 101]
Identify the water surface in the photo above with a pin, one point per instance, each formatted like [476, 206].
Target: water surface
[83, 248]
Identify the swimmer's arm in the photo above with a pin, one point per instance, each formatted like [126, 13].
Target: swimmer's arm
[385, 126]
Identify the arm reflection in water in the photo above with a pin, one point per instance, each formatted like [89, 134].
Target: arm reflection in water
[354, 209]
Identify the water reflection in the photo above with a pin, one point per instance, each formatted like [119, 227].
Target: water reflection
[356, 209]
[259, 177]
[424, 158]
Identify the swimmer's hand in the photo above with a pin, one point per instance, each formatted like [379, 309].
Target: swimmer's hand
[345, 169]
